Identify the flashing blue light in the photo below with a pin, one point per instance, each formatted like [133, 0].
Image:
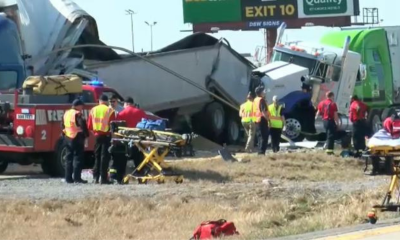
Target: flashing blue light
[96, 83]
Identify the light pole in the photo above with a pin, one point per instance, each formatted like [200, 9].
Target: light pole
[131, 13]
[151, 25]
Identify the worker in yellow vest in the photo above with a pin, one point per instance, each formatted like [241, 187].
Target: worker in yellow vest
[261, 120]
[74, 132]
[99, 123]
[277, 123]
[246, 114]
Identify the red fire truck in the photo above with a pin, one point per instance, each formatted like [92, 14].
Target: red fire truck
[30, 127]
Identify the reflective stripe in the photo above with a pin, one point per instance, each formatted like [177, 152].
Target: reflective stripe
[70, 128]
[275, 116]
[100, 117]
[246, 111]
[257, 114]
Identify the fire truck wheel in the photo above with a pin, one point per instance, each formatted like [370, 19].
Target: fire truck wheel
[3, 166]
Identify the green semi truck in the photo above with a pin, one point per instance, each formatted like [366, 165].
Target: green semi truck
[380, 52]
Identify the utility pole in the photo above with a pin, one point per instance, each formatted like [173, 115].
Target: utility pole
[131, 13]
[151, 25]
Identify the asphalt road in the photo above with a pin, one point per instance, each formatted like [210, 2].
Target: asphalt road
[384, 233]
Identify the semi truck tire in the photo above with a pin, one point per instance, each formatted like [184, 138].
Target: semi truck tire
[293, 129]
[374, 120]
[215, 116]
[387, 112]
[233, 129]
[3, 166]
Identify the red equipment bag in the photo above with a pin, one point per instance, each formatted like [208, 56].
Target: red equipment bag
[214, 229]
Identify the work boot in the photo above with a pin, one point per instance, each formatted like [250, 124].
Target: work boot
[80, 181]
[106, 182]
[69, 180]
[96, 181]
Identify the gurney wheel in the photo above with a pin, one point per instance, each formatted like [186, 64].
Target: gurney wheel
[160, 181]
[179, 181]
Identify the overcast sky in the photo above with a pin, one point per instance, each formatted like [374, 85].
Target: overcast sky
[114, 24]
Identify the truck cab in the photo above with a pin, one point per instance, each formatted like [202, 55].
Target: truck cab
[324, 68]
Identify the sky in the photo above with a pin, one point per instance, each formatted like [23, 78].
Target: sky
[115, 25]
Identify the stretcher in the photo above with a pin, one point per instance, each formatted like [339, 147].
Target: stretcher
[155, 145]
[379, 149]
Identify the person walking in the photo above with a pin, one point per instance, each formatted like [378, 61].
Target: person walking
[246, 114]
[329, 112]
[277, 121]
[261, 120]
[74, 132]
[358, 116]
[99, 123]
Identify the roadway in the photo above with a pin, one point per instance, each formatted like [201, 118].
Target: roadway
[383, 230]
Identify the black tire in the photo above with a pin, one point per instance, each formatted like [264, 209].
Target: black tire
[294, 128]
[3, 166]
[387, 113]
[215, 116]
[374, 121]
[233, 129]
[54, 164]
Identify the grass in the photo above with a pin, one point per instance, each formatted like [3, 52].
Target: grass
[215, 190]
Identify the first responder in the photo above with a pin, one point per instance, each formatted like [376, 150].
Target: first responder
[132, 115]
[114, 104]
[329, 112]
[277, 121]
[261, 119]
[392, 125]
[358, 115]
[99, 122]
[246, 114]
[74, 132]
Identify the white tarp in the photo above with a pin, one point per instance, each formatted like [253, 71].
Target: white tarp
[47, 25]
[383, 138]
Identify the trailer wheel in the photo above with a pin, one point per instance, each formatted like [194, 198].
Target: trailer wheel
[233, 129]
[3, 166]
[215, 118]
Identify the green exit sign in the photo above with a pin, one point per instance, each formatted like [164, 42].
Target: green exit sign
[324, 7]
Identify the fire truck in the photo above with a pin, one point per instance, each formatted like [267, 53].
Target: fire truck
[30, 127]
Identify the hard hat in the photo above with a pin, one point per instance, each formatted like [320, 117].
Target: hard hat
[275, 98]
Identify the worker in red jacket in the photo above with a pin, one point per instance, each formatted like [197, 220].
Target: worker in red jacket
[99, 123]
[329, 112]
[132, 116]
[392, 125]
[358, 116]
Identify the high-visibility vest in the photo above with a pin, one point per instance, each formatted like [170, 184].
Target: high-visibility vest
[70, 127]
[100, 117]
[275, 116]
[246, 112]
[257, 114]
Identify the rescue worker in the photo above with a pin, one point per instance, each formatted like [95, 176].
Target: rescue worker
[99, 123]
[75, 132]
[329, 112]
[132, 116]
[277, 123]
[358, 115]
[246, 114]
[392, 125]
[114, 104]
[261, 120]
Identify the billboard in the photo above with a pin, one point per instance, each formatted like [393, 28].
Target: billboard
[264, 13]
[203, 11]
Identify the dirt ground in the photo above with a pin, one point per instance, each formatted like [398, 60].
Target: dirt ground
[270, 196]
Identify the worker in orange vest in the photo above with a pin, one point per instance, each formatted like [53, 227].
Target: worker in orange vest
[261, 120]
[75, 132]
[99, 123]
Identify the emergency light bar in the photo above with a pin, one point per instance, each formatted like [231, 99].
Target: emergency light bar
[93, 83]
